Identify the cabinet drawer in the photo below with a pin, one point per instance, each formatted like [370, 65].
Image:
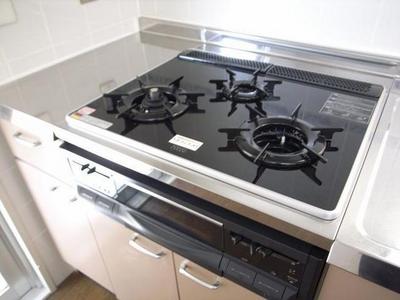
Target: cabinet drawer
[139, 268]
[31, 140]
[197, 283]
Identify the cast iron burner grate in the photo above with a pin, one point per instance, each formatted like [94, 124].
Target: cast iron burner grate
[244, 91]
[282, 143]
[152, 103]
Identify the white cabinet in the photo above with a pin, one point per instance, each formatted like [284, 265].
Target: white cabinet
[197, 283]
[32, 140]
[139, 268]
[66, 218]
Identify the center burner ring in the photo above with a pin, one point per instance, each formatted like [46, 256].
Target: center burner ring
[245, 92]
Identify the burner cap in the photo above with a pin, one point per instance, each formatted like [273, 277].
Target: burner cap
[282, 143]
[155, 104]
[244, 92]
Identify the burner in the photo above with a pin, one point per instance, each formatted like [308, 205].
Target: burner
[284, 142]
[244, 91]
[153, 103]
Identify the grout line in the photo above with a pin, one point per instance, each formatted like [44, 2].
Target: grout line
[6, 62]
[47, 28]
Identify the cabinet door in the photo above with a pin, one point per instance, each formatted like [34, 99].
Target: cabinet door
[139, 268]
[197, 283]
[66, 219]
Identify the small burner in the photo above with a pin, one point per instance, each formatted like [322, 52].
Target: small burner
[149, 104]
[284, 142]
[244, 91]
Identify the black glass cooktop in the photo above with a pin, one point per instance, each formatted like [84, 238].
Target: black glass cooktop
[293, 138]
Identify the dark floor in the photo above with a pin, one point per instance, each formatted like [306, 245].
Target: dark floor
[79, 287]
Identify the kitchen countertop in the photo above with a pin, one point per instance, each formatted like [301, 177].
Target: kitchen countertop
[367, 235]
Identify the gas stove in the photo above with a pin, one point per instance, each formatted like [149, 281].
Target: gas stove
[266, 127]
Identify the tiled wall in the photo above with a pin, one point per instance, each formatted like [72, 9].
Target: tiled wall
[50, 30]
[361, 25]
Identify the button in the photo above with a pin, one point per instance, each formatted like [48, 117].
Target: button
[270, 288]
[235, 238]
[85, 193]
[104, 203]
[240, 273]
[291, 279]
[264, 252]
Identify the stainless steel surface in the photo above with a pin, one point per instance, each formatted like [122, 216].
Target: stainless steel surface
[160, 40]
[369, 236]
[134, 244]
[183, 270]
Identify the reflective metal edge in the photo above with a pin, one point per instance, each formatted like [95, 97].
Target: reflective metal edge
[123, 180]
[389, 65]
[353, 250]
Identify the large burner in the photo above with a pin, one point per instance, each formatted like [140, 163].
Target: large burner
[284, 142]
[149, 104]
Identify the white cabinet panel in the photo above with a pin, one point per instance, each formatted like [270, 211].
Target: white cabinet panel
[66, 218]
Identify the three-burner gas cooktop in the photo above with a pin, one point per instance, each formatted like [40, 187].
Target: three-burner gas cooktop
[289, 131]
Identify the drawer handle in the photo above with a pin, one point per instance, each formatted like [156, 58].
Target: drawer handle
[183, 270]
[26, 141]
[133, 243]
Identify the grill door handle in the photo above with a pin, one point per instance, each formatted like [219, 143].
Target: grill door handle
[133, 243]
[183, 271]
[26, 141]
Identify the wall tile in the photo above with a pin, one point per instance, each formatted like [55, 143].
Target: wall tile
[102, 14]
[28, 35]
[32, 61]
[47, 30]
[66, 20]
[147, 7]
[129, 9]
[107, 33]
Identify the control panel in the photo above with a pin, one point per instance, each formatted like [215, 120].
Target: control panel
[275, 267]
[94, 176]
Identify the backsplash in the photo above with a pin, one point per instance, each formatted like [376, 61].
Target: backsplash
[50, 30]
[362, 25]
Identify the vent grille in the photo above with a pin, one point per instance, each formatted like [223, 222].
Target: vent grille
[217, 59]
[348, 85]
[332, 82]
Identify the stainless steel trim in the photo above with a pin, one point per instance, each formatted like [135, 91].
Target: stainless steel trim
[173, 203]
[122, 180]
[183, 271]
[133, 243]
[25, 140]
[213, 36]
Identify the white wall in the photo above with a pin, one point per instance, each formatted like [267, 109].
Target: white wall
[49, 30]
[361, 25]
